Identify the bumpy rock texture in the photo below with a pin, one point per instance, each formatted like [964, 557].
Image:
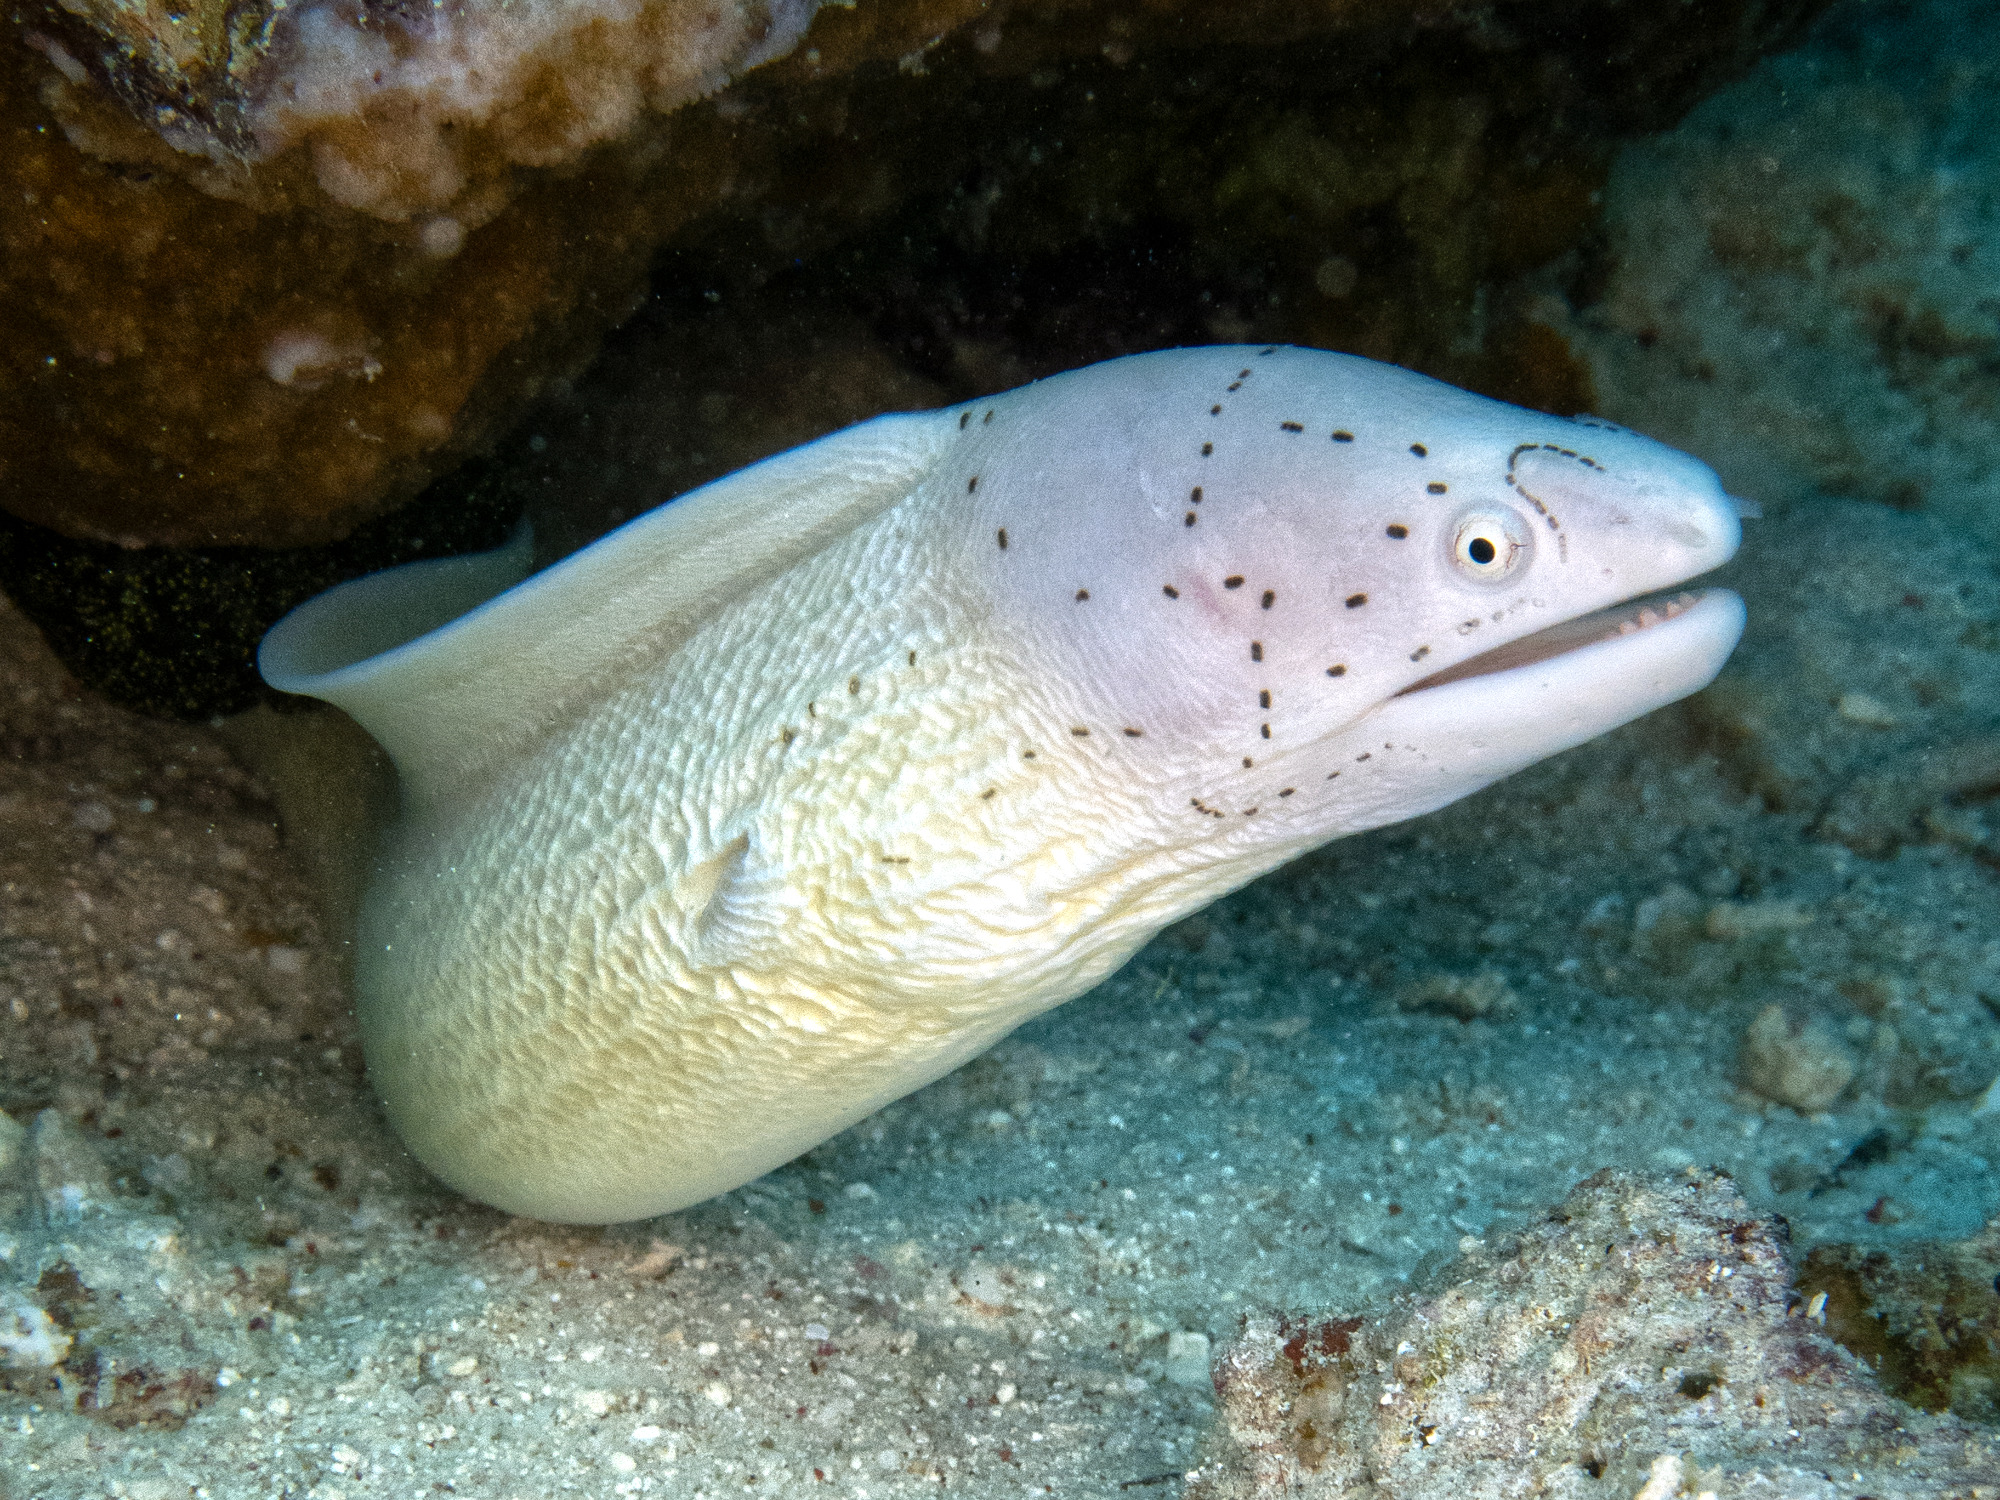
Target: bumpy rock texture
[1643, 1340]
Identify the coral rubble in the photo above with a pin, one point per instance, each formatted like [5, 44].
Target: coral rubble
[1644, 1336]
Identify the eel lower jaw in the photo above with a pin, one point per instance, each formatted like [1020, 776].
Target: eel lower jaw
[1470, 725]
[1620, 620]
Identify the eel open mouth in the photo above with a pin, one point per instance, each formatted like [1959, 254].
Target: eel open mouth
[1629, 618]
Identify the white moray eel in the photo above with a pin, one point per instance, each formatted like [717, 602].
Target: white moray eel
[792, 795]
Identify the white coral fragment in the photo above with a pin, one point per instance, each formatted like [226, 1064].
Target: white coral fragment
[29, 1338]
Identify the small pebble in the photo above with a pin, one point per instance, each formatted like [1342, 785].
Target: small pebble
[1870, 713]
[1805, 1067]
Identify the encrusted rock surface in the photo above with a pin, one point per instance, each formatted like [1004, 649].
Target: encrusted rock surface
[1927, 1318]
[1643, 1340]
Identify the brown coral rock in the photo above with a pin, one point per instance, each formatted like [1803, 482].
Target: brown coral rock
[1644, 1339]
[265, 335]
[1927, 1318]
[190, 371]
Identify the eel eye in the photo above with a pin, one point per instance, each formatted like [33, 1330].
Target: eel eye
[1489, 545]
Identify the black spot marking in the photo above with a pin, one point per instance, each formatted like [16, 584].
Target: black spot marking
[972, 484]
[1188, 520]
[1331, 774]
[1247, 763]
[1236, 385]
[1434, 488]
[1343, 436]
[1270, 598]
[1339, 670]
[1081, 595]
[1003, 538]
[1195, 494]
[895, 859]
[787, 735]
[1170, 591]
[1256, 651]
[1291, 427]
[1244, 373]
[1206, 449]
[1215, 411]
[1233, 581]
[987, 418]
[1027, 755]
[913, 658]
[812, 710]
[1080, 732]
[1265, 731]
[1399, 531]
[1364, 755]
[989, 794]
[1263, 697]
[963, 418]
[1420, 653]
[1420, 450]
[1133, 734]
[1287, 791]
[1249, 812]
[1355, 601]
[853, 684]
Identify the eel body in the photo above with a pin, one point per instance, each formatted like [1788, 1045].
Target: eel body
[795, 793]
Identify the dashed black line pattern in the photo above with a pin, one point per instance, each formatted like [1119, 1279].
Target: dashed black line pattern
[1526, 494]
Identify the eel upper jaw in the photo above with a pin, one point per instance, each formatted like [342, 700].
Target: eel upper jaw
[1602, 625]
[1496, 713]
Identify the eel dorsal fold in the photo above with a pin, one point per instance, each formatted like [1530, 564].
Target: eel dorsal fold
[457, 664]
